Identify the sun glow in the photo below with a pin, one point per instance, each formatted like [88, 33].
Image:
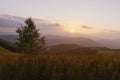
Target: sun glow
[72, 30]
[76, 29]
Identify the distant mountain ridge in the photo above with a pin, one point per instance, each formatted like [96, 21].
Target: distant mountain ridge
[70, 49]
[55, 40]
[79, 41]
[60, 47]
[8, 25]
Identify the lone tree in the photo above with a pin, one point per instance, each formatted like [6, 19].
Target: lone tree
[29, 40]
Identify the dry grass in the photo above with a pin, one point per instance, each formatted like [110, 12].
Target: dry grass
[60, 67]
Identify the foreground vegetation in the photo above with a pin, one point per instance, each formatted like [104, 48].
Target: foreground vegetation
[60, 67]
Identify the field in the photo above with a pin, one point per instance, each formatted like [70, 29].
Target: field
[60, 67]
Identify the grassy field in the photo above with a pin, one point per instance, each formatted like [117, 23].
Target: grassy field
[60, 67]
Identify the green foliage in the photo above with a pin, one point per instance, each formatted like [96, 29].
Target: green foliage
[60, 67]
[29, 40]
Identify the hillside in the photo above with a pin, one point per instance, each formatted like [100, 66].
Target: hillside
[55, 40]
[71, 40]
[70, 49]
[9, 38]
[9, 24]
[7, 45]
[4, 51]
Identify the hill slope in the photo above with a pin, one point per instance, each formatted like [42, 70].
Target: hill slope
[70, 49]
[79, 41]
[7, 45]
[55, 40]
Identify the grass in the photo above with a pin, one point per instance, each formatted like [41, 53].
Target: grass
[60, 67]
[4, 51]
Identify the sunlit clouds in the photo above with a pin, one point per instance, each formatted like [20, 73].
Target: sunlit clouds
[81, 29]
[72, 30]
[50, 27]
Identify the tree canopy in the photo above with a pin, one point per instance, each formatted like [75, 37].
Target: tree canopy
[29, 40]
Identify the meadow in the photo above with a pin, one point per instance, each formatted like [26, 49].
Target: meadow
[60, 67]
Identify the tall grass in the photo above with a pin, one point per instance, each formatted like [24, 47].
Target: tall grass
[60, 67]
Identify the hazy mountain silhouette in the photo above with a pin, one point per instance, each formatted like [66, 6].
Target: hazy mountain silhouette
[70, 49]
[12, 22]
[55, 40]
[79, 41]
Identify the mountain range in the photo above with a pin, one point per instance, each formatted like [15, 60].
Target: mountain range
[8, 25]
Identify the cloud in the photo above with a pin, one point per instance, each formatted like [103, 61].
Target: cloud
[112, 31]
[48, 25]
[86, 27]
[7, 30]
[9, 24]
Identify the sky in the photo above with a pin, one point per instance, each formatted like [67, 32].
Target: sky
[92, 14]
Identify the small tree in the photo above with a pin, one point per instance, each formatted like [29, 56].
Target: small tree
[29, 40]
